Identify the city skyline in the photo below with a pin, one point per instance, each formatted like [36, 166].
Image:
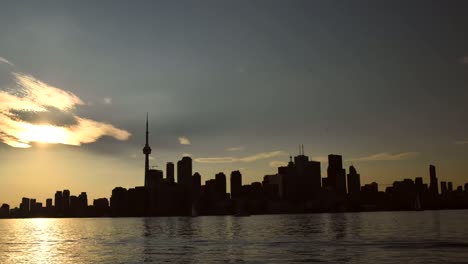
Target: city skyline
[297, 187]
[237, 86]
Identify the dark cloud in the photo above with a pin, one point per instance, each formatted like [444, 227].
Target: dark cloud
[53, 116]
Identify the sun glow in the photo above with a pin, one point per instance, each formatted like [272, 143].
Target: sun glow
[35, 112]
[43, 134]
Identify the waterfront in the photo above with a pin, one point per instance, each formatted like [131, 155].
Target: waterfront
[375, 237]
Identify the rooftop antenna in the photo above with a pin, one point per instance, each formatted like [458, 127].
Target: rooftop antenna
[302, 149]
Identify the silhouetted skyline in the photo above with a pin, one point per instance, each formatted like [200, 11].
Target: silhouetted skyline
[295, 188]
[235, 86]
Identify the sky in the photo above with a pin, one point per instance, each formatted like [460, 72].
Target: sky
[233, 84]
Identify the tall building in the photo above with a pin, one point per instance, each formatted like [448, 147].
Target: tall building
[170, 172]
[434, 186]
[184, 171]
[443, 187]
[236, 184]
[336, 174]
[220, 180]
[354, 181]
[196, 185]
[450, 186]
[147, 152]
[49, 203]
[25, 206]
[58, 203]
[66, 202]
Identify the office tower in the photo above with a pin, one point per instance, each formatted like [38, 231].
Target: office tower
[59, 203]
[170, 172]
[5, 211]
[220, 181]
[74, 205]
[49, 203]
[236, 184]
[83, 199]
[153, 178]
[354, 181]
[147, 152]
[443, 187]
[434, 186]
[66, 202]
[336, 174]
[32, 206]
[313, 176]
[119, 202]
[196, 185]
[25, 206]
[184, 171]
[450, 186]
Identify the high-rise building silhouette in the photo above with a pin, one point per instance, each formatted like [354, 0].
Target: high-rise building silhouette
[434, 185]
[220, 183]
[170, 172]
[184, 171]
[147, 152]
[59, 203]
[443, 187]
[66, 202]
[236, 184]
[196, 185]
[354, 181]
[25, 206]
[49, 203]
[336, 175]
[450, 186]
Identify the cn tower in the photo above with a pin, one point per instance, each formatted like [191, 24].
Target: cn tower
[146, 151]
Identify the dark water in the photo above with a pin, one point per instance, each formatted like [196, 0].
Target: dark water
[383, 237]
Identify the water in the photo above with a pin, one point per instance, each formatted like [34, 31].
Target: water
[380, 237]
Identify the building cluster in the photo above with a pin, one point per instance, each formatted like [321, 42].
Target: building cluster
[297, 187]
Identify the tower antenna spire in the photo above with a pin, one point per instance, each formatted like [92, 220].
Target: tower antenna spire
[146, 128]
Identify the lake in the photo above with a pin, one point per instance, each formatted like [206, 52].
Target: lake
[374, 237]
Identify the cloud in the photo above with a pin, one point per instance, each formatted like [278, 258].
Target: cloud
[252, 158]
[184, 141]
[33, 111]
[239, 148]
[320, 158]
[107, 100]
[461, 142]
[3, 60]
[277, 163]
[385, 156]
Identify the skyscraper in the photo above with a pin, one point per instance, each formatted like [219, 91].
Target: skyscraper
[443, 187]
[184, 171]
[449, 186]
[434, 186]
[66, 202]
[336, 174]
[147, 152]
[354, 181]
[170, 172]
[236, 184]
[59, 203]
[220, 179]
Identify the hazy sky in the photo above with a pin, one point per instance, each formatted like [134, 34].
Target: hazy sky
[234, 84]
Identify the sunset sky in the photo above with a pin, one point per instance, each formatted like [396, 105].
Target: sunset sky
[233, 84]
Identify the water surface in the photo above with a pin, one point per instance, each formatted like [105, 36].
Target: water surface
[378, 237]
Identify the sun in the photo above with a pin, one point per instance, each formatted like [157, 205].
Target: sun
[43, 134]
